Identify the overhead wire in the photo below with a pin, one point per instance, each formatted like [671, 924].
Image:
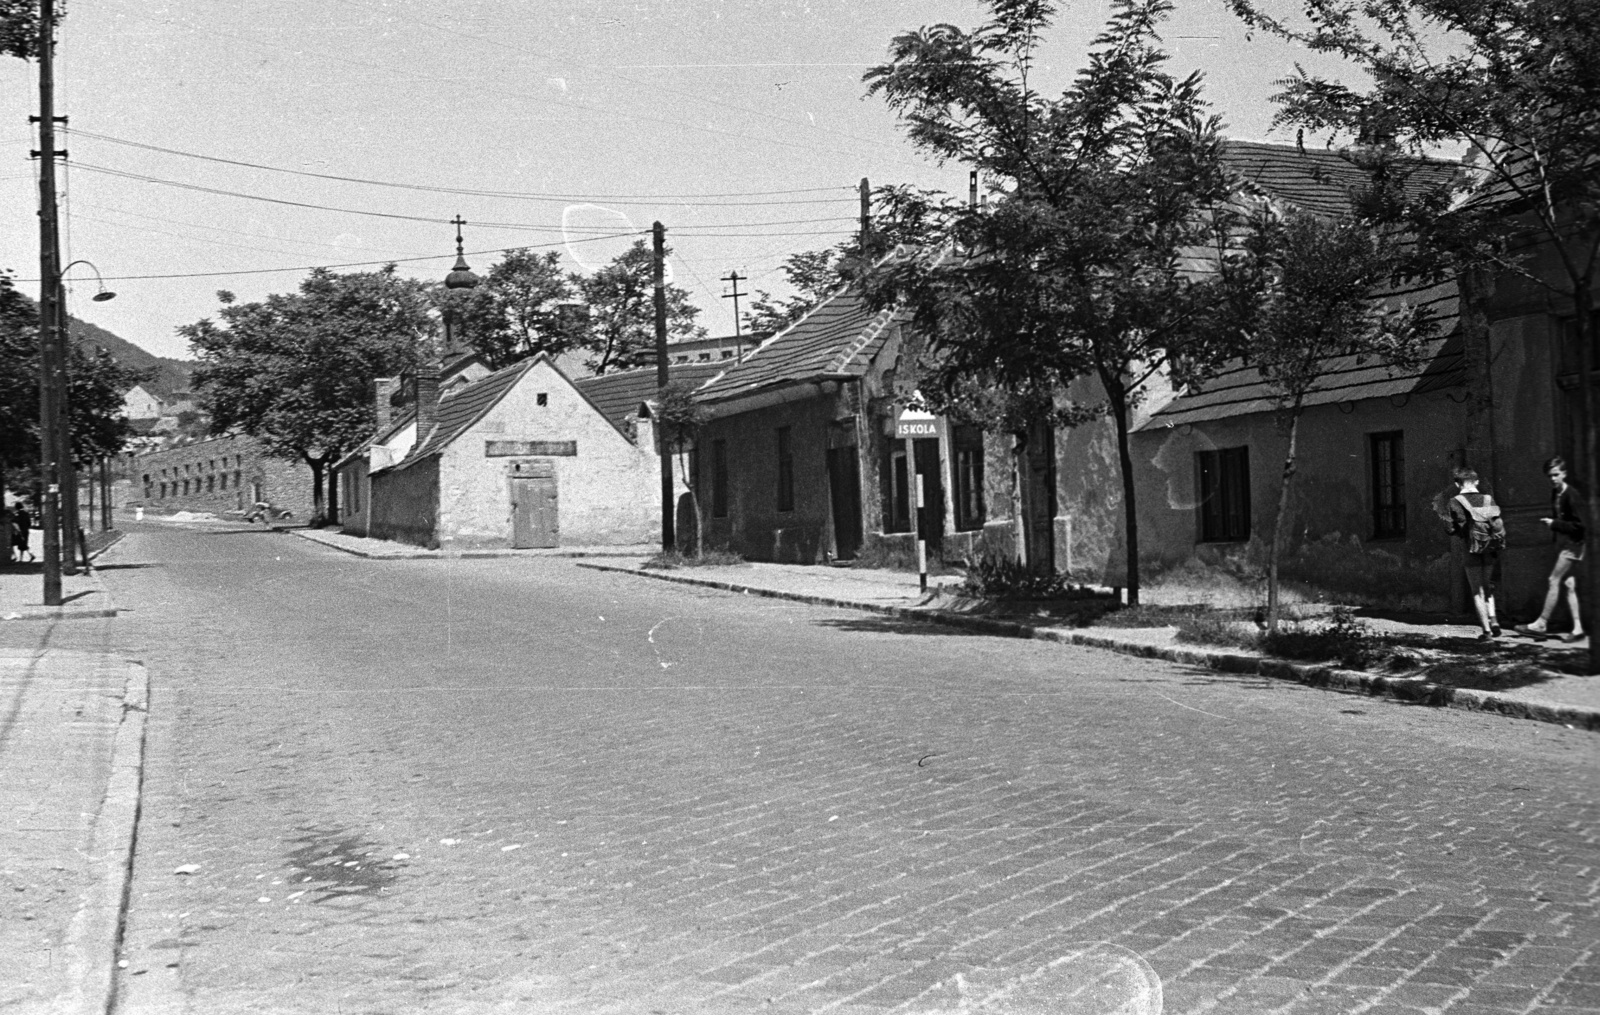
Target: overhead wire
[646, 199]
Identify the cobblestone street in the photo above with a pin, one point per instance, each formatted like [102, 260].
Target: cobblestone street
[514, 785]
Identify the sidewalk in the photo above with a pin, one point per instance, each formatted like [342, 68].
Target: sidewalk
[385, 549]
[1546, 693]
[71, 747]
[22, 591]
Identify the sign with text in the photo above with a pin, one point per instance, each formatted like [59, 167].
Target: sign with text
[507, 449]
[915, 423]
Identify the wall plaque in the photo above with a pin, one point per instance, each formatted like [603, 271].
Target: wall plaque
[506, 449]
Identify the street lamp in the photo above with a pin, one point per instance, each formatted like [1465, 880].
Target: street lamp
[66, 467]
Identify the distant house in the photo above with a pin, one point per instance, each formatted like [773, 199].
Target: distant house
[521, 457]
[139, 403]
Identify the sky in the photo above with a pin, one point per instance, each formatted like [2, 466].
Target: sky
[742, 125]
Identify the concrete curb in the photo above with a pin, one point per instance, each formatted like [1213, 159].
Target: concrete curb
[59, 613]
[119, 537]
[1412, 689]
[95, 935]
[311, 535]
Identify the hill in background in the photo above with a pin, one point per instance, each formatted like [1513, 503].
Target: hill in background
[168, 376]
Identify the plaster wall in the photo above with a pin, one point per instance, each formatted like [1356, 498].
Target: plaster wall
[405, 504]
[608, 493]
[1330, 543]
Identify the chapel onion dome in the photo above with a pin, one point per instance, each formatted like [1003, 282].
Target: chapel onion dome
[461, 276]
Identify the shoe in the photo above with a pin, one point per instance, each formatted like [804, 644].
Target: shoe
[1485, 636]
[1528, 630]
[1572, 636]
[1494, 629]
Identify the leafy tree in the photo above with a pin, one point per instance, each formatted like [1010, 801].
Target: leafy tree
[95, 383]
[512, 314]
[621, 296]
[19, 26]
[1085, 265]
[295, 370]
[680, 417]
[1320, 301]
[1517, 82]
[813, 275]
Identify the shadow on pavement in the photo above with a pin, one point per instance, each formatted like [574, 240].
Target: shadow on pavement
[125, 567]
[902, 625]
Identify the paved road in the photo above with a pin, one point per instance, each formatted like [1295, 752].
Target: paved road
[518, 786]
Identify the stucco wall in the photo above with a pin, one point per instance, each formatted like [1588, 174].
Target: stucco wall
[609, 493]
[222, 474]
[405, 503]
[1331, 544]
[754, 526]
[355, 496]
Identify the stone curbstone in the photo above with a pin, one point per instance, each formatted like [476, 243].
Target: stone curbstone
[58, 613]
[1412, 689]
[95, 935]
[312, 536]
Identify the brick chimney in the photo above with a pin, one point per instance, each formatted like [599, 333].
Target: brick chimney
[427, 398]
[384, 396]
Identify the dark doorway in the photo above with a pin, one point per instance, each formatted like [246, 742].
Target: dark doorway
[1039, 498]
[931, 515]
[844, 489]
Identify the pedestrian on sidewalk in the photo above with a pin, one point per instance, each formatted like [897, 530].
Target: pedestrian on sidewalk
[1567, 532]
[21, 526]
[1475, 520]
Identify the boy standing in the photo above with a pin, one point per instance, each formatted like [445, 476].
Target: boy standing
[1475, 520]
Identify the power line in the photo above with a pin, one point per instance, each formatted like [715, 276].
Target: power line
[648, 199]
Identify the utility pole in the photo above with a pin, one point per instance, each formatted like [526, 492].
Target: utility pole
[735, 278]
[51, 444]
[866, 211]
[668, 537]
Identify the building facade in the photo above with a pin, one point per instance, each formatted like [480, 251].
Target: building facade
[220, 475]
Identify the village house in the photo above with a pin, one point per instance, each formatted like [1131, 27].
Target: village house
[522, 457]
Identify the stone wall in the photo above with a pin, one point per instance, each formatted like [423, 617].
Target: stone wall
[405, 504]
[219, 475]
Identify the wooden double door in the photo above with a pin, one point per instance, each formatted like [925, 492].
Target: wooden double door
[535, 509]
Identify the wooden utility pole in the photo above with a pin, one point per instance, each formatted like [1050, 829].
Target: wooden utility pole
[866, 211]
[668, 537]
[51, 450]
[735, 278]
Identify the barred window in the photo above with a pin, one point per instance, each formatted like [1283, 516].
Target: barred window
[1387, 452]
[1223, 478]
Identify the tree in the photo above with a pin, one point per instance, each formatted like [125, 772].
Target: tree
[813, 275]
[295, 370]
[19, 27]
[680, 417]
[621, 332]
[1517, 82]
[1089, 262]
[94, 393]
[513, 313]
[1321, 301]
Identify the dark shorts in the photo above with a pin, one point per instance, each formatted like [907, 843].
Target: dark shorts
[1483, 571]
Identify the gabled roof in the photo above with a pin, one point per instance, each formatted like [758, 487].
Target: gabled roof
[618, 395]
[461, 409]
[383, 436]
[836, 340]
[1317, 180]
[1240, 390]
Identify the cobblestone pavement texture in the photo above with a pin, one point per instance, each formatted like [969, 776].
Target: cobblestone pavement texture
[59, 713]
[893, 589]
[518, 786]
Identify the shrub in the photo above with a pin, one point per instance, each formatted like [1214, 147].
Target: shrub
[1209, 628]
[999, 577]
[1341, 638]
[666, 560]
[884, 557]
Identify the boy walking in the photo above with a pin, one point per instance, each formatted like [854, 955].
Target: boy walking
[1567, 532]
[1475, 520]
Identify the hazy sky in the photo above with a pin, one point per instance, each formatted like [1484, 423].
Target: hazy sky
[604, 116]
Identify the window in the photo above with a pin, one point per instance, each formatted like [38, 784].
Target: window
[785, 469]
[543, 398]
[211, 484]
[237, 478]
[223, 485]
[896, 494]
[1223, 477]
[719, 479]
[968, 441]
[1387, 453]
[163, 491]
[186, 488]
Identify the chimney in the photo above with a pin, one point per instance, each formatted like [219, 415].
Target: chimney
[427, 398]
[384, 396]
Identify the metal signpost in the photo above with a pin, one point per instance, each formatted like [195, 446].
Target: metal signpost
[910, 424]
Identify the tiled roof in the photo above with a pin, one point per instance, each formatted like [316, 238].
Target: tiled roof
[460, 410]
[1316, 180]
[618, 395]
[1240, 391]
[837, 339]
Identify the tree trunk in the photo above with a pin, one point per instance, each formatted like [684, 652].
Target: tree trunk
[1118, 397]
[1589, 445]
[1019, 524]
[333, 492]
[1279, 524]
[316, 486]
